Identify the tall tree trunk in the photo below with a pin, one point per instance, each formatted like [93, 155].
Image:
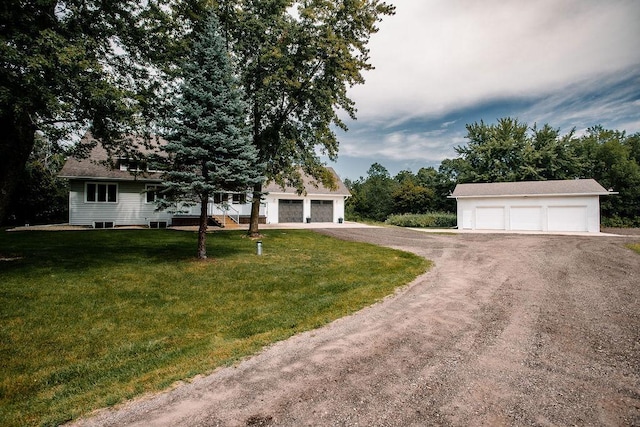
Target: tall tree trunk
[202, 229]
[16, 143]
[255, 211]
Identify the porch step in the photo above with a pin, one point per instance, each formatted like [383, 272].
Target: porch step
[229, 223]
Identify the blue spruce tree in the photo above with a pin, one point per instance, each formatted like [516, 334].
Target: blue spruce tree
[209, 144]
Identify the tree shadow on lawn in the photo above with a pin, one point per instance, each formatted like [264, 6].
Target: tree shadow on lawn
[78, 250]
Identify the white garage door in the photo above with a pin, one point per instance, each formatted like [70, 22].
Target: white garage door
[567, 218]
[526, 218]
[490, 218]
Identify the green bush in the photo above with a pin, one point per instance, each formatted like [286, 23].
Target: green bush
[428, 220]
[620, 222]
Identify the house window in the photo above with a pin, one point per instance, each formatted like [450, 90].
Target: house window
[153, 193]
[97, 192]
[220, 198]
[132, 165]
[240, 198]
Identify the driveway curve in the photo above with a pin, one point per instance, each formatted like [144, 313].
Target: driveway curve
[504, 330]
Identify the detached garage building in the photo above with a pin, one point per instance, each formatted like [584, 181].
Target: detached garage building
[568, 205]
[318, 204]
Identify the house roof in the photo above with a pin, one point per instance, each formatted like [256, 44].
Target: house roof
[312, 186]
[96, 165]
[574, 187]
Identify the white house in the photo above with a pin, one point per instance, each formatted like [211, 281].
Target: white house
[282, 205]
[561, 205]
[104, 195]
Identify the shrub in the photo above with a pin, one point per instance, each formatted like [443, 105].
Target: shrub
[620, 222]
[428, 220]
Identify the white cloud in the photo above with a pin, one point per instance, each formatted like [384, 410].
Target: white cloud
[430, 146]
[589, 103]
[434, 56]
[443, 63]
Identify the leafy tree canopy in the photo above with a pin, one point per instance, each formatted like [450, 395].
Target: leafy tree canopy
[296, 60]
[77, 64]
[511, 151]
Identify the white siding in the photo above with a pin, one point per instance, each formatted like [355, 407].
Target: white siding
[271, 201]
[233, 209]
[467, 219]
[566, 213]
[130, 209]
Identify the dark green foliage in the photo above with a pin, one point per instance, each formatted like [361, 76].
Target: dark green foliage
[109, 65]
[209, 142]
[296, 71]
[619, 222]
[378, 195]
[510, 151]
[608, 157]
[411, 197]
[426, 191]
[41, 197]
[426, 220]
[372, 198]
[493, 153]
[71, 65]
[549, 155]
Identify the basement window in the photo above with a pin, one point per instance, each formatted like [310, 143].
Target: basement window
[103, 224]
[157, 224]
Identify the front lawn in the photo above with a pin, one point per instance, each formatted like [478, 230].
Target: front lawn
[90, 318]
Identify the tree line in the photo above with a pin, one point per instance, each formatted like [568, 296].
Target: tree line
[510, 150]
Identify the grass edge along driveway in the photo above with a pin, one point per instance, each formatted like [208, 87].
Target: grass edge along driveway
[91, 318]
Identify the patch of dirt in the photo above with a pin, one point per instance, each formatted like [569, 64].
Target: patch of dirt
[504, 330]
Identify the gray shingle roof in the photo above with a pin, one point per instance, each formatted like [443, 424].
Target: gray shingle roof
[96, 166]
[312, 186]
[529, 188]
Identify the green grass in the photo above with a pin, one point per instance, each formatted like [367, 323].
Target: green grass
[91, 318]
[634, 246]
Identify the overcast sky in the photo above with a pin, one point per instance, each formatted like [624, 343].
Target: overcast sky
[441, 64]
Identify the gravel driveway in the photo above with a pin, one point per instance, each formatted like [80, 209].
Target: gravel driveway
[504, 330]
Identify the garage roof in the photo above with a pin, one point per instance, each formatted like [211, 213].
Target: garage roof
[312, 186]
[572, 187]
